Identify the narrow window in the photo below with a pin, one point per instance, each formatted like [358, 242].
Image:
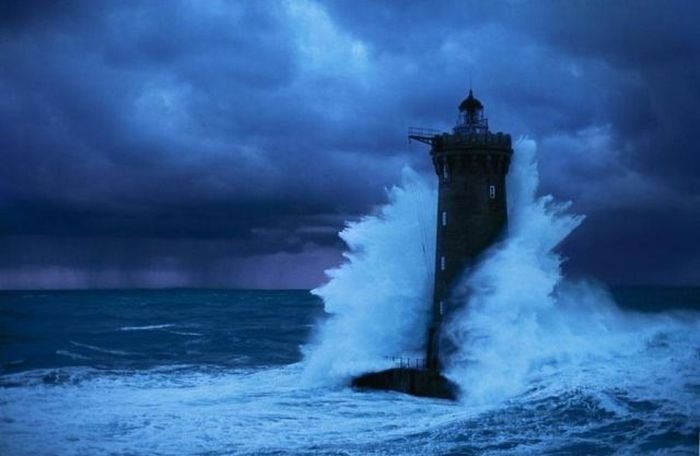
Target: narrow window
[442, 263]
[444, 218]
[441, 309]
[445, 174]
[492, 192]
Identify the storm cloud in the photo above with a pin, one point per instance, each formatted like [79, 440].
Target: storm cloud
[225, 143]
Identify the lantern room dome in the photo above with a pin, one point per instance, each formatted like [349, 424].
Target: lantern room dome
[471, 103]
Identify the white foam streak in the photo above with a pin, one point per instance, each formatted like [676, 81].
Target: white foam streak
[146, 327]
[71, 355]
[101, 349]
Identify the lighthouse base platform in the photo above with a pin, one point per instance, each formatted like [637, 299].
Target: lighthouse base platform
[414, 381]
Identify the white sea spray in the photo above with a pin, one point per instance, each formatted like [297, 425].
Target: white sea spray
[379, 299]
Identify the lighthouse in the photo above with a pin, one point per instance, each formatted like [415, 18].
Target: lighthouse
[471, 164]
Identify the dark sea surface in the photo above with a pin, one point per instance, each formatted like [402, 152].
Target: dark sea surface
[217, 372]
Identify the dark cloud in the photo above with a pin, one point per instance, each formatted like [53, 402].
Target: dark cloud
[635, 246]
[172, 143]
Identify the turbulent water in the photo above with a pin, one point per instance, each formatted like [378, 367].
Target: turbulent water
[547, 366]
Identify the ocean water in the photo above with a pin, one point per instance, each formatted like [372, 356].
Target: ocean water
[222, 372]
[547, 365]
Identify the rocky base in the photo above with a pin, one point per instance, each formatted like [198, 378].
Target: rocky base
[417, 382]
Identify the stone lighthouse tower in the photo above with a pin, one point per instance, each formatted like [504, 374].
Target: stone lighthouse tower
[471, 164]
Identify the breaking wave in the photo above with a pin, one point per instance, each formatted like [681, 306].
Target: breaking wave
[524, 321]
[379, 298]
[521, 322]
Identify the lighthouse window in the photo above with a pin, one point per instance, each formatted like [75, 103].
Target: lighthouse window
[442, 263]
[444, 218]
[445, 174]
[441, 309]
[492, 192]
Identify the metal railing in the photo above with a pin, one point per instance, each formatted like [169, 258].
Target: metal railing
[408, 363]
[425, 132]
